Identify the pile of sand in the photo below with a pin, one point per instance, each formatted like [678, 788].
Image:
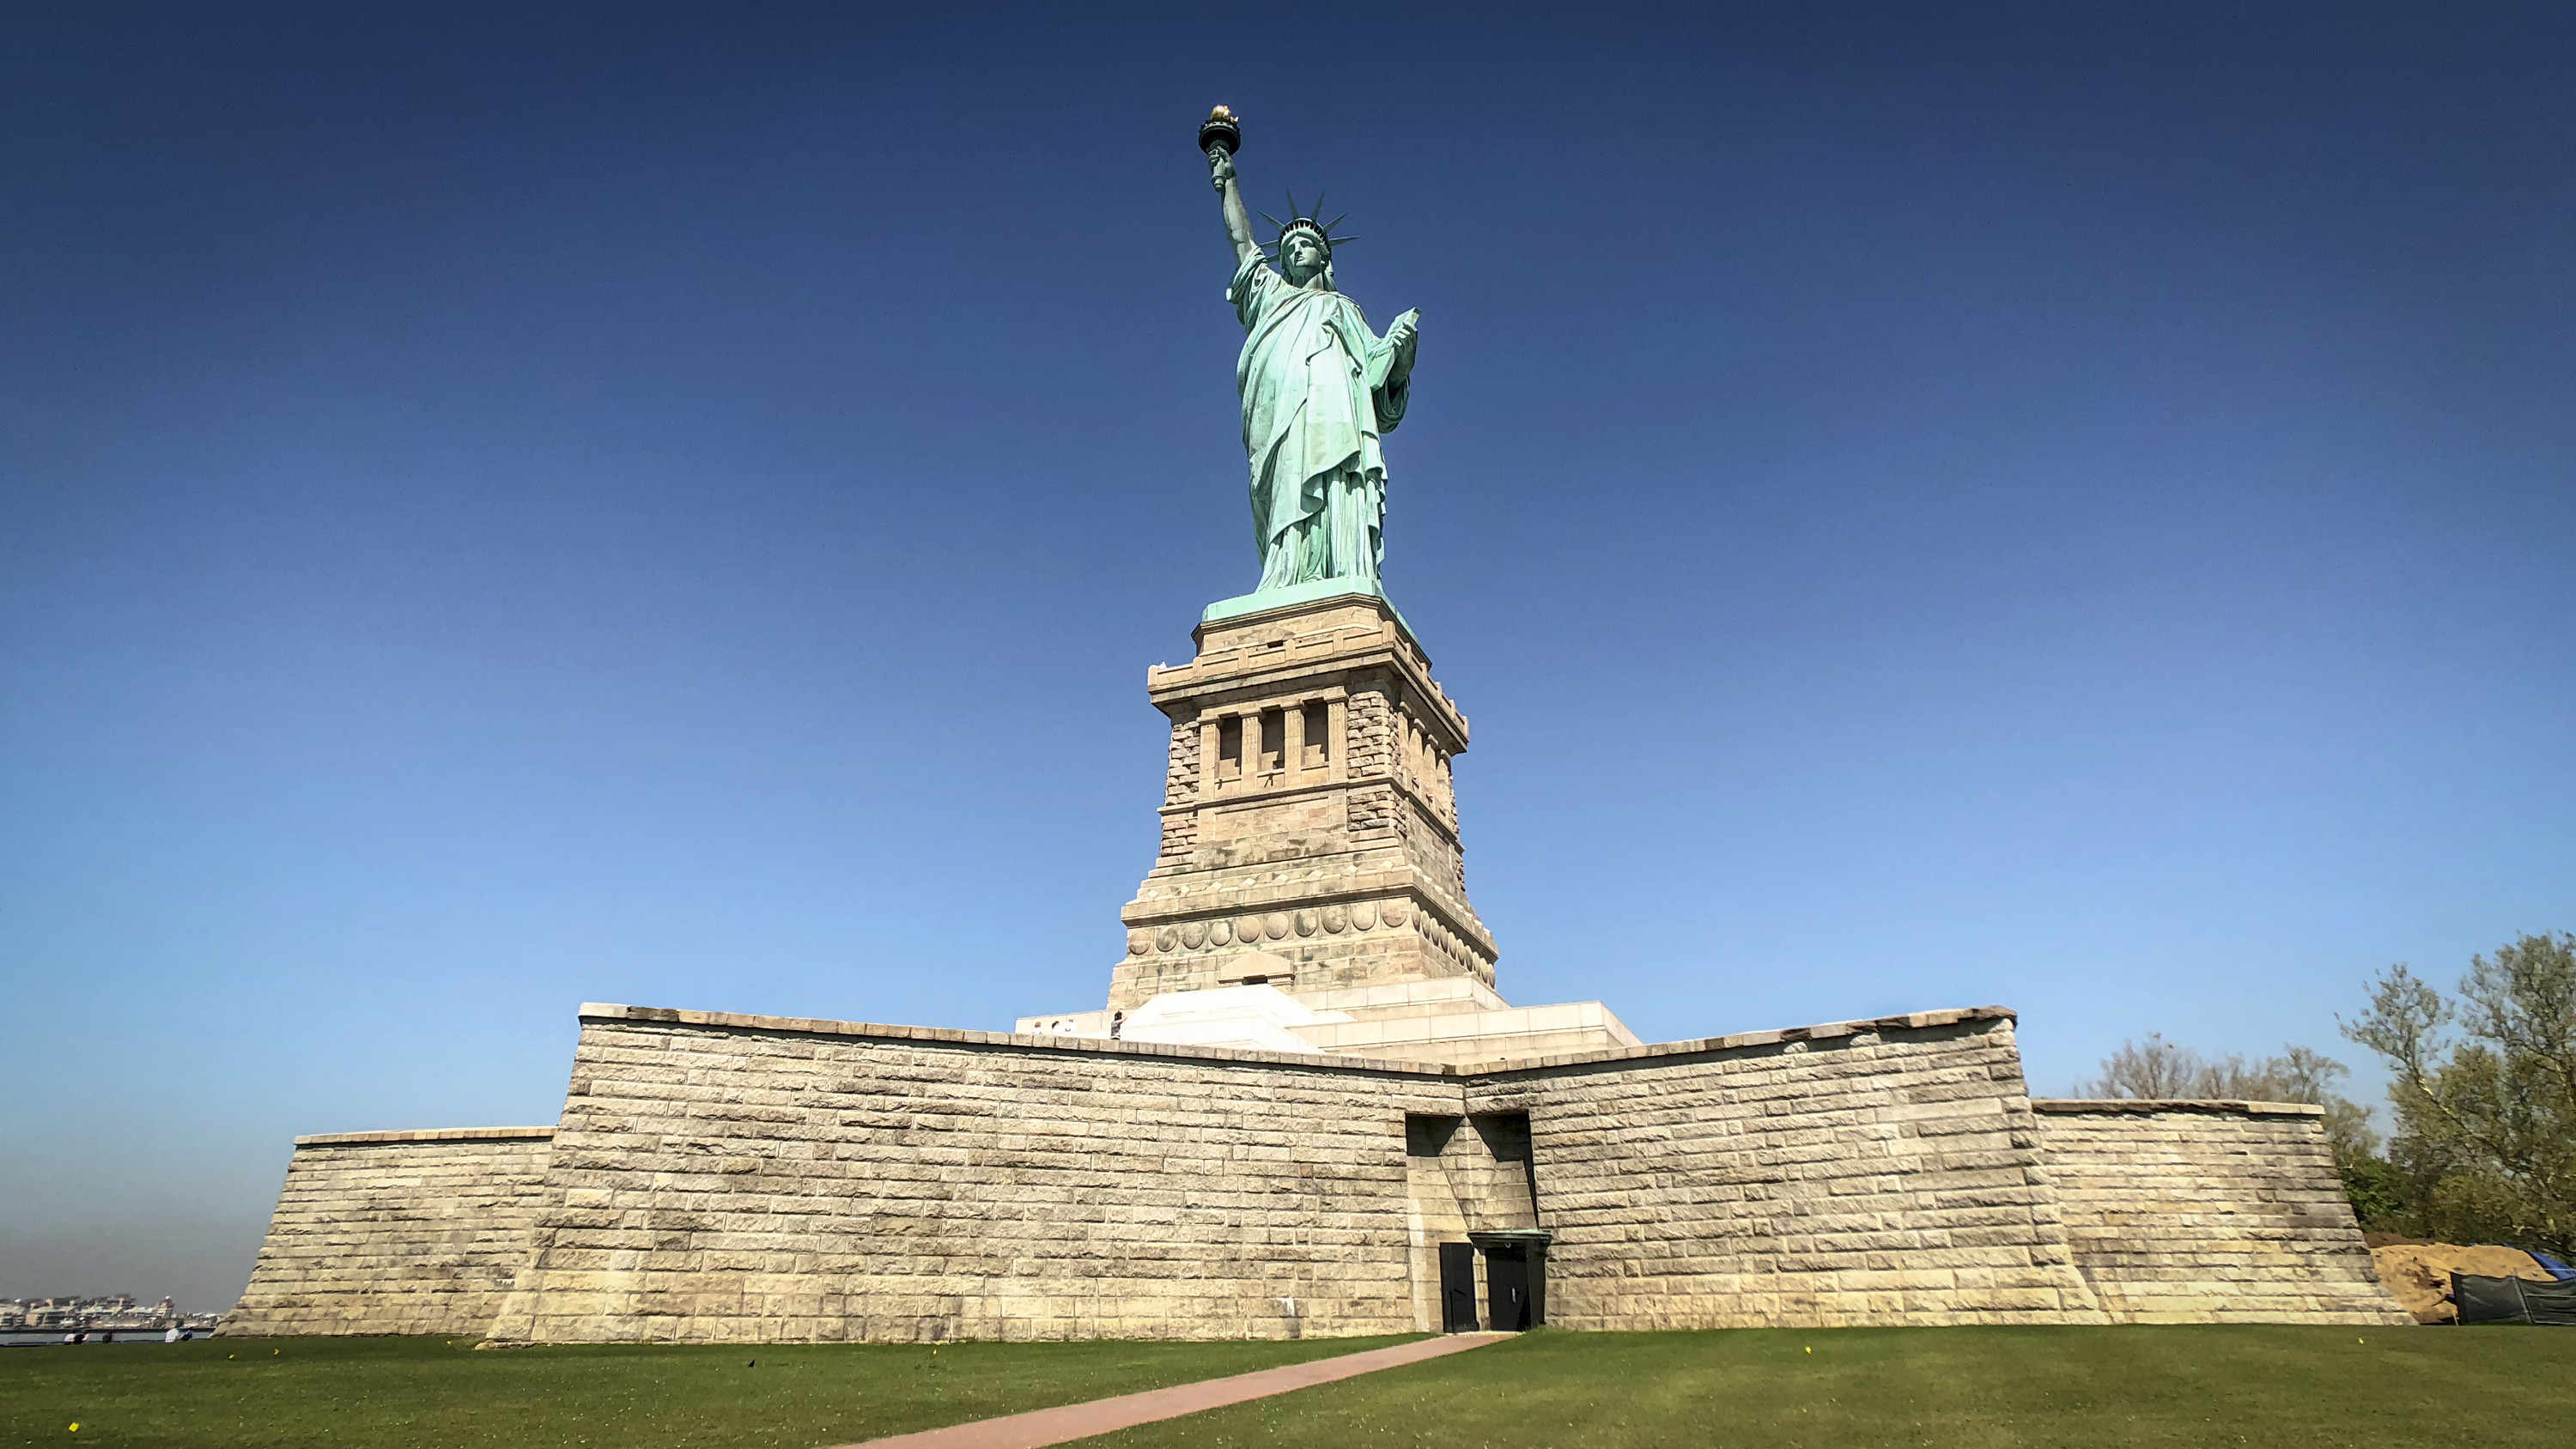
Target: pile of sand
[2420, 1273]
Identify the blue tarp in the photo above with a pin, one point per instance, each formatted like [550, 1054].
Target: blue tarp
[2557, 1270]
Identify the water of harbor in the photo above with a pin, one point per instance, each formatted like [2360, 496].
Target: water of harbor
[41, 1337]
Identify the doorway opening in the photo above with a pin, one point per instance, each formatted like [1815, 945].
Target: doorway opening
[1458, 1288]
[1515, 1279]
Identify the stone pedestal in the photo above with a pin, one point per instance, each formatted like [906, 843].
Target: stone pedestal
[1310, 830]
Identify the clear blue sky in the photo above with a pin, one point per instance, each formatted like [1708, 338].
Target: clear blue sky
[2059, 505]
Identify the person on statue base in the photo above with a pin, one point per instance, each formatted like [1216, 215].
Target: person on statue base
[1319, 390]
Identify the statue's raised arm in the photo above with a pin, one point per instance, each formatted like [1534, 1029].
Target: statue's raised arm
[1238, 223]
[1320, 389]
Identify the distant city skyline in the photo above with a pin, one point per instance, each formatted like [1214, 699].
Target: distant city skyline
[504, 507]
[108, 1313]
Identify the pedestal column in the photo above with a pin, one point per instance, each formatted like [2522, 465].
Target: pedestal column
[1352, 873]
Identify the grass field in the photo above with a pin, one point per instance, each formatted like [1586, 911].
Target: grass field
[1838, 1389]
[428, 1393]
[1958, 1388]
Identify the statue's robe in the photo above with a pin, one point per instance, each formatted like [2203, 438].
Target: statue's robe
[1319, 389]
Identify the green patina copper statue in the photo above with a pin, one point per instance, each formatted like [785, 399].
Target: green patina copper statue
[1319, 390]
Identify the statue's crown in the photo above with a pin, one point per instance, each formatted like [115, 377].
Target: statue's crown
[1305, 221]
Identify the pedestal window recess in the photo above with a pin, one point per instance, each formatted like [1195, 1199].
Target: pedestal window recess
[1266, 751]
[1229, 749]
[1319, 735]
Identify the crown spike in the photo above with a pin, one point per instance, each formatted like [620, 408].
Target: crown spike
[1319, 207]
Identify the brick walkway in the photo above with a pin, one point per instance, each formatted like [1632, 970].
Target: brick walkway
[1101, 1416]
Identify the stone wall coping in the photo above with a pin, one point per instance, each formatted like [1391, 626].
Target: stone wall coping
[433, 1134]
[1742, 1040]
[2142, 1106]
[816, 1026]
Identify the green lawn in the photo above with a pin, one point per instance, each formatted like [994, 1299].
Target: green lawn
[1959, 1388]
[428, 1393]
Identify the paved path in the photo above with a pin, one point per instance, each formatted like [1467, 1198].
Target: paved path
[1100, 1416]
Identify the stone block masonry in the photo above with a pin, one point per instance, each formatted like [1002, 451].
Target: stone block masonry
[741, 1179]
[1874, 1172]
[719, 1178]
[751, 1179]
[2210, 1212]
[397, 1232]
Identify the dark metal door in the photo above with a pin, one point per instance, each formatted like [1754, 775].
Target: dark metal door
[1507, 1287]
[1457, 1288]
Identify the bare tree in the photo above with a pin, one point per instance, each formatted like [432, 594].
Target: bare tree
[2159, 1070]
[2156, 1070]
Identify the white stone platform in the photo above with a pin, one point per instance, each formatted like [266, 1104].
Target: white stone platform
[1457, 1021]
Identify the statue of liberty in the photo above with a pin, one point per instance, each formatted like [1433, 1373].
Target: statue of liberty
[1319, 391]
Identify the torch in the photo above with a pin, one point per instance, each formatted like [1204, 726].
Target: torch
[1220, 132]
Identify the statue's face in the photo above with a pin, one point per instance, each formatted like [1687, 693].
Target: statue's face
[1301, 256]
